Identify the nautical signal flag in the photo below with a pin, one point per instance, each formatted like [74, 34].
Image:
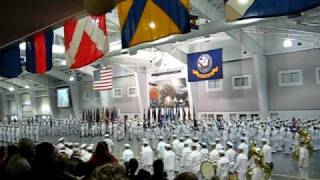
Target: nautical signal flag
[148, 20]
[39, 53]
[237, 9]
[10, 62]
[205, 65]
[86, 40]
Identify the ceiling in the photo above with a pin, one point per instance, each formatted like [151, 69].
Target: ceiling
[239, 39]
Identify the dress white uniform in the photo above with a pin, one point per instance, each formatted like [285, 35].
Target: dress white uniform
[303, 162]
[147, 158]
[257, 173]
[267, 153]
[185, 161]
[214, 155]
[231, 155]
[127, 155]
[169, 160]
[195, 159]
[161, 149]
[241, 166]
[223, 168]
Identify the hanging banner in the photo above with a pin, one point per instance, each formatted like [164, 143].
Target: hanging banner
[205, 65]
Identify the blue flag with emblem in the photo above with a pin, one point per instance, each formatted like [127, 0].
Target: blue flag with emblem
[237, 9]
[205, 65]
[10, 62]
[148, 20]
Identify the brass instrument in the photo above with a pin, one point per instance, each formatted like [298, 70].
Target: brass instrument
[304, 136]
[258, 155]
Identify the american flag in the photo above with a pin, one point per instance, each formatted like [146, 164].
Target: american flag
[102, 79]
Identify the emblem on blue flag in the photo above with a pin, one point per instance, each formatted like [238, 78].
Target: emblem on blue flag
[205, 65]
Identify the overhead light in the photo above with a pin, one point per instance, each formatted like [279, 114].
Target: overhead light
[152, 25]
[71, 78]
[287, 43]
[11, 89]
[27, 86]
[243, 1]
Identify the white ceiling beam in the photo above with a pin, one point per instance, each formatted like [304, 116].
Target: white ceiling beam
[59, 75]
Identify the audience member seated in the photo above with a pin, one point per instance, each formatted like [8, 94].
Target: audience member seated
[158, 169]
[132, 169]
[19, 165]
[186, 176]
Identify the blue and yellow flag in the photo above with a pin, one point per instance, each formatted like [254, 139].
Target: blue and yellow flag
[205, 65]
[148, 20]
[244, 9]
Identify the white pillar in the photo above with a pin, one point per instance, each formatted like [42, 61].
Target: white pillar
[33, 100]
[260, 68]
[53, 101]
[142, 91]
[104, 97]
[18, 105]
[4, 107]
[75, 98]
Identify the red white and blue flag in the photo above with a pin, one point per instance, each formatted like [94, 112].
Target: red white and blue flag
[39, 53]
[86, 40]
[102, 79]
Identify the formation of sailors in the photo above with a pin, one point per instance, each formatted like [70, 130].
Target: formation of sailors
[11, 132]
[229, 144]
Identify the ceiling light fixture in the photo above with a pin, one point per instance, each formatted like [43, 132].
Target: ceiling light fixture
[11, 89]
[71, 78]
[27, 86]
[152, 25]
[287, 43]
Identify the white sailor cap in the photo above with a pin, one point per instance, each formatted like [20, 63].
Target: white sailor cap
[83, 146]
[174, 135]
[230, 144]
[168, 146]
[240, 148]
[217, 139]
[204, 144]
[264, 140]
[160, 137]
[76, 144]
[61, 139]
[243, 138]
[181, 138]
[195, 139]
[222, 152]
[212, 143]
[145, 142]
[106, 135]
[89, 148]
[127, 145]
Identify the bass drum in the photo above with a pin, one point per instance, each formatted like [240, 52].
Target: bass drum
[208, 169]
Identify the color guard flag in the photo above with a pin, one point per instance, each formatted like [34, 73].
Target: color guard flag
[10, 62]
[39, 53]
[205, 65]
[85, 40]
[237, 10]
[148, 20]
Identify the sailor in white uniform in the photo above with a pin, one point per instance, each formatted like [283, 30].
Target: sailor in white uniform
[127, 154]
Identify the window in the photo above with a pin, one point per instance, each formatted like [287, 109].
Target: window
[290, 78]
[132, 92]
[214, 85]
[117, 93]
[241, 82]
[318, 75]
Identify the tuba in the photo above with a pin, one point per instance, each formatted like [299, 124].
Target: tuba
[304, 136]
[258, 155]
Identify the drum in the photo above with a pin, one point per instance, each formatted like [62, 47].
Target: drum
[208, 169]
